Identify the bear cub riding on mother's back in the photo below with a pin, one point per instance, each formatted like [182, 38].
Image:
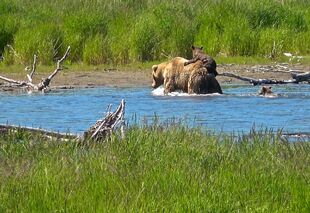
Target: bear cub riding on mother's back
[207, 61]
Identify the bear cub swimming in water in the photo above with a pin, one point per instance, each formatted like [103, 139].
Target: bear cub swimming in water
[208, 62]
[265, 91]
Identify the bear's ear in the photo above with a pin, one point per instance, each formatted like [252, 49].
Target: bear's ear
[193, 47]
[154, 68]
[201, 47]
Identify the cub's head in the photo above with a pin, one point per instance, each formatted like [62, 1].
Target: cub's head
[197, 50]
[157, 75]
[265, 90]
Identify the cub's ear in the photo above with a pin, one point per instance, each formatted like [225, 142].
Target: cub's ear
[154, 68]
[193, 47]
[201, 47]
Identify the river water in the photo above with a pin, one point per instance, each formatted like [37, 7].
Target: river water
[237, 110]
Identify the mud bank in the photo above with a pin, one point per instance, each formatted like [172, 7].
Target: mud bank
[142, 77]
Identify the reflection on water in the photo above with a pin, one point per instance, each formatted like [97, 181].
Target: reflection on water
[237, 110]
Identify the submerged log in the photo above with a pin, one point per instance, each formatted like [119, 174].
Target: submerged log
[99, 131]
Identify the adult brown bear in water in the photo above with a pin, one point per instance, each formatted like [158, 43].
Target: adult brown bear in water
[207, 61]
[193, 78]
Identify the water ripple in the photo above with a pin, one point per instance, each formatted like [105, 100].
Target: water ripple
[237, 110]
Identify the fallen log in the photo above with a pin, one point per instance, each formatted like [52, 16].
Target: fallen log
[44, 84]
[297, 135]
[301, 77]
[98, 132]
[4, 129]
[258, 81]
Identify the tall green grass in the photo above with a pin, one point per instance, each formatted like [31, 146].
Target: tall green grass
[129, 31]
[155, 169]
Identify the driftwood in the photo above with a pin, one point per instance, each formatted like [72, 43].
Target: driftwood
[299, 135]
[301, 77]
[298, 76]
[99, 131]
[44, 84]
[104, 127]
[258, 81]
[4, 129]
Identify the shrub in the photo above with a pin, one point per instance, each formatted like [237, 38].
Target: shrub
[8, 28]
[155, 30]
[167, 28]
[45, 41]
[301, 43]
[267, 15]
[239, 39]
[118, 37]
[210, 33]
[273, 42]
[144, 40]
[78, 28]
[96, 50]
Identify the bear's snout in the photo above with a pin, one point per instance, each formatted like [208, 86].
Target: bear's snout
[155, 84]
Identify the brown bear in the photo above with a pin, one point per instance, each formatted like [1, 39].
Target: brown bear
[208, 62]
[265, 91]
[193, 78]
[201, 82]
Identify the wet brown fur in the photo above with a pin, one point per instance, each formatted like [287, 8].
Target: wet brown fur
[193, 78]
[265, 90]
[208, 62]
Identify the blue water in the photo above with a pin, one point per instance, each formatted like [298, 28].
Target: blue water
[236, 111]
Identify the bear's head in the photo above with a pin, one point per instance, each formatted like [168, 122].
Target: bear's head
[158, 75]
[197, 50]
[265, 90]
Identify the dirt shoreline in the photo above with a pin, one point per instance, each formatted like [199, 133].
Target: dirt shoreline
[142, 78]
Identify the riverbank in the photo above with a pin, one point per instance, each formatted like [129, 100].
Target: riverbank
[155, 169]
[141, 77]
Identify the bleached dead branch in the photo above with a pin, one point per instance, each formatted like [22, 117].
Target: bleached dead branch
[44, 84]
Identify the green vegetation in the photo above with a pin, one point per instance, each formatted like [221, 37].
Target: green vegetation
[128, 31]
[155, 169]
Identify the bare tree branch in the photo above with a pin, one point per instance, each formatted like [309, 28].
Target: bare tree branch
[104, 127]
[34, 66]
[58, 68]
[12, 81]
[43, 85]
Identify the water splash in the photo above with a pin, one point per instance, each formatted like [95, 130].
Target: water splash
[160, 92]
